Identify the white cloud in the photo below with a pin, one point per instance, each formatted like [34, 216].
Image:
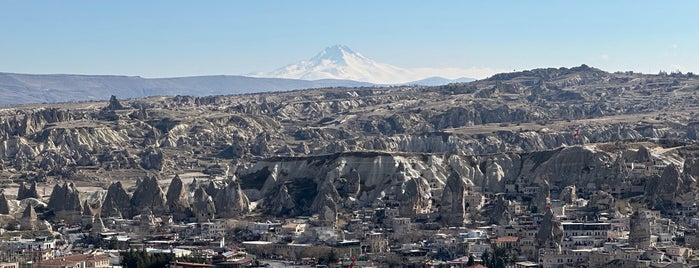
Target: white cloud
[604, 57]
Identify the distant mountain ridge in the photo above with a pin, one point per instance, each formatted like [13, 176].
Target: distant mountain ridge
[341, 62]
[50, 88]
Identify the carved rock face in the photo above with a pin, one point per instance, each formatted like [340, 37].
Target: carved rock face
[639, 230]
[178, 200]
[550, 234]
[117, 202]
[203, 205]
[65, 198]
[148, 196]
[230, 200]
[453, 203]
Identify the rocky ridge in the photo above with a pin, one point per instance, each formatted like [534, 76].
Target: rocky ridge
[424, 150]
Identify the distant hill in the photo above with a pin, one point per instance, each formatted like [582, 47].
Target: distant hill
[438, 81]
[33, 88]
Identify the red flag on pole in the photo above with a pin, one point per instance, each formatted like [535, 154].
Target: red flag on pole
[352, 264]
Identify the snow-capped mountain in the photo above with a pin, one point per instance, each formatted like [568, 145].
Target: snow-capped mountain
[340, 62]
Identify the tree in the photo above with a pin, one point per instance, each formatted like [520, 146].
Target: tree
[499, 258]
[471, 261]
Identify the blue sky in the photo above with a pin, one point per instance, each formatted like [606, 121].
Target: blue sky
[182, 38]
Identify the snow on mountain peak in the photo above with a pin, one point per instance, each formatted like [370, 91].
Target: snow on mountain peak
[336, 54]
[341, 62]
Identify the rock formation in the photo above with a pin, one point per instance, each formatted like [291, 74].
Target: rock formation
[325, 203]
[88, 210]
[116, 202]
[543, 195]
[114, 104]
[152, 159]
[203, 206]
[568, 194]
[500, 214]
[4, 204]
[334, 150]
[65, 202]
[230, 200]
[550, 233]
[29, 220]
[639, 230]
[453, 202]
[148, 196]
[416, 198]
[601, 201]
[664, 191]
[97, 226]
[282, 203]
[24, 192]
[178, 200]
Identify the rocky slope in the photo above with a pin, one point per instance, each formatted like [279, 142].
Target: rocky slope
[435, 151]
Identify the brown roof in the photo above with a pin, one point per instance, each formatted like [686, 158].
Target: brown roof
[76, 258]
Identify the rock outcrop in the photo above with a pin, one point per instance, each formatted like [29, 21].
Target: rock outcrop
[114, 104]
[550, 233]
[282, 203]
[4, 204]
[230, 200]
[665, 191]
[152, 159]
[500, 213]
[543, 195]
[29, 220]
[639, 230]
[601, 201]
[65, 202]
[117, 202]
[203, 206]
[27, 192]
[452, 209]
[178, 200]
[568, 194]
[148, 196]
[326, 203]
